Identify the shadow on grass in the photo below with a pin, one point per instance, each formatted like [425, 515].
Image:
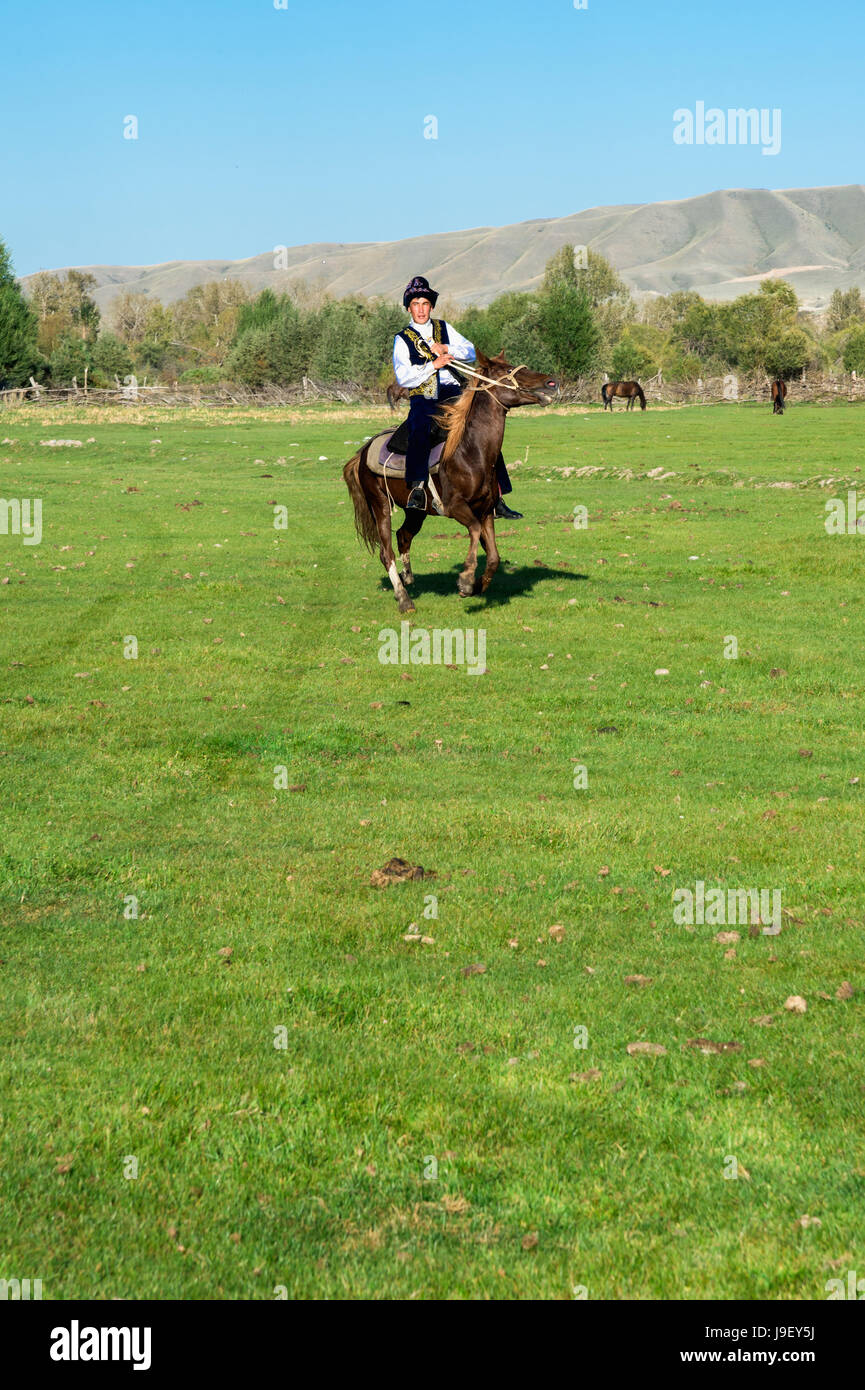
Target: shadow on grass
[511, 581]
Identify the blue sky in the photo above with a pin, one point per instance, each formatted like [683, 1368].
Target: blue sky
[260, 126]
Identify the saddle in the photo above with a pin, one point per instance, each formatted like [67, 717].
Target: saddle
[386, 454]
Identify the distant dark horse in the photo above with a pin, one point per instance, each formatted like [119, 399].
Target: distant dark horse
[475, 422]
[779, 391]
[630, 389]
[396, 393]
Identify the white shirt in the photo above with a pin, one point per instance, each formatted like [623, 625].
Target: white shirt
[409, 375]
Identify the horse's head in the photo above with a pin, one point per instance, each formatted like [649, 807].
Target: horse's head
[520, 385]
[513, 386]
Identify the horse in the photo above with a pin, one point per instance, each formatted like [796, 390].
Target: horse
[396, 393]
[631, 389]
[475, 425]
[779, 391]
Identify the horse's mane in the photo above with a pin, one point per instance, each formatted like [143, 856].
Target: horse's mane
[453, 417]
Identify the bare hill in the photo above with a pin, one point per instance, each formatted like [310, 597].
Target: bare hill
[720, 244]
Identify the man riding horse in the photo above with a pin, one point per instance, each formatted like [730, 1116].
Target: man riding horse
[422, 353]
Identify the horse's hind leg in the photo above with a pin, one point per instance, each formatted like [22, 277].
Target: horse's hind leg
[382, 517]
[488, 541]
[414, 520]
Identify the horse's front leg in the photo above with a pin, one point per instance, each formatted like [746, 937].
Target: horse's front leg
[488, 541]
[466, 581]
[461, 511]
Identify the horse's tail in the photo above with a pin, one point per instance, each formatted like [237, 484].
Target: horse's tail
[642, 395]
[364, 521]
[392, 396]
[604, 389]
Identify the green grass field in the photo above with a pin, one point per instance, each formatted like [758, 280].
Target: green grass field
[421, 1134]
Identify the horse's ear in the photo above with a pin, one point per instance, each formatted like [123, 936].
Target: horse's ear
[481, 359]
[500, 356]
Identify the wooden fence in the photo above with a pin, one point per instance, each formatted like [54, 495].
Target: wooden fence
[177, 394]
[816, 388]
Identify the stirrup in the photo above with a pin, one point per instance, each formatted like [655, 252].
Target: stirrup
[416, 506]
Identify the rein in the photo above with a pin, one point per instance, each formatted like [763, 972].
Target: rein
[509, 379]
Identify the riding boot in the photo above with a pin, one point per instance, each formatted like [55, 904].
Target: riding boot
[503, 511]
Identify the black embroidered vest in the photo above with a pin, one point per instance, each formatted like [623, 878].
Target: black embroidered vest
[420, 352]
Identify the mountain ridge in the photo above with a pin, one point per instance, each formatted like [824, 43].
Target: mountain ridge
[715, 243]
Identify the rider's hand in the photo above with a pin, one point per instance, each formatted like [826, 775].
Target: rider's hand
[443, 360]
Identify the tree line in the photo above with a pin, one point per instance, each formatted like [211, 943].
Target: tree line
[580, 321]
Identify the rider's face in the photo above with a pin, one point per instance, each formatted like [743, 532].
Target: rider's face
[420, 310]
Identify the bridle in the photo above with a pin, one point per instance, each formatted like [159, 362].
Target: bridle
[509, 379]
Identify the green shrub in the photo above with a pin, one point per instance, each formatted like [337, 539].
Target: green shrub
[19, 355]
[202, 375]
[68, 360]
[249, 361]
[786, 352]
[854, 352]
[111, 357]
[568, 329]
[629, 360]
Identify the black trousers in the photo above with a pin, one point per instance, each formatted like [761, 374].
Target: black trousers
[420, 418]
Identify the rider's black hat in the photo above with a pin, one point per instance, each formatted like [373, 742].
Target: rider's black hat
[419, 288]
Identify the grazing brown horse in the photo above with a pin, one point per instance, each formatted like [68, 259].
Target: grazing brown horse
[475, 424]
[396, 393]
[779, 391]
[632, 390]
